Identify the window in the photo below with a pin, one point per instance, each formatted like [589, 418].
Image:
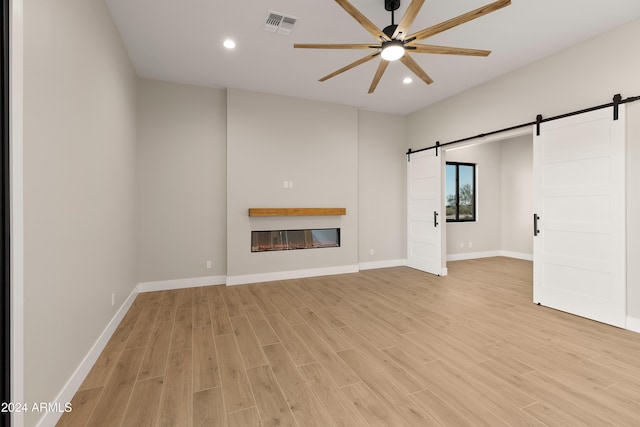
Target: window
[461, 192]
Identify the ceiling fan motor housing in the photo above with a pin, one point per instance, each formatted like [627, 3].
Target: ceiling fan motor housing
[391, 5]
[389, 30]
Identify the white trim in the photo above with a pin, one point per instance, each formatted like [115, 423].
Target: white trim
[633, 324]
[517, 255]
[444, 271]
[473, 255]
[501, 136]
[293, 274]
[382, 264]
[165, 285]
[17, 212]
[488, 254]
[81, 372]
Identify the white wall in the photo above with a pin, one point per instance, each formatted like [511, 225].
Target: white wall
[504, 201]
[335, 155]
[382, 177]
[271, 139]
[517, 195]
[79, 192]
[17, 206]
[582, 76]
[633, 212]
[181, 181]
[484, 234]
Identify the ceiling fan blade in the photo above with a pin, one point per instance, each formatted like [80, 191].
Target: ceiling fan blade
[445, 50]
[408, 18]
[350, 66]
[454, 22]
[333, 46]
[417, 70]
[379, 72]
[362, 20]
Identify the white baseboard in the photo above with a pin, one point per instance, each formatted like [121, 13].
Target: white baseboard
[165, 285]
[488, 254]
[473, 255]
[382, 264]
[517, 255]
[293, 274]
[633, 324]
[81, 372]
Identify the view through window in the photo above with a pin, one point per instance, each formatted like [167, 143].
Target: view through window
[461, 191]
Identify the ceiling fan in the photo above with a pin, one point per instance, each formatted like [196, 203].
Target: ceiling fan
[395, 44]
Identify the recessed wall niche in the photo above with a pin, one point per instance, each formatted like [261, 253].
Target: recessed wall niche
[284, 240]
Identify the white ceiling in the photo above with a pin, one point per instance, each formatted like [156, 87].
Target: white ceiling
[181, 41]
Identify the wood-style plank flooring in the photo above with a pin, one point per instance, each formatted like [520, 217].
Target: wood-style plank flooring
[389, 347]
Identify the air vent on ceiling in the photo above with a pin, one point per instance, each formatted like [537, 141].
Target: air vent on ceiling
[279, 23]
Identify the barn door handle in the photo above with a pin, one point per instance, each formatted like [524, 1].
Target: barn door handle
[535, 224]
[435, 218]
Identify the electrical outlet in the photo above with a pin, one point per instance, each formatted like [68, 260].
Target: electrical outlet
[285, 184]
[290, 184]
[371, 252]
[208, 264]
[113, 300]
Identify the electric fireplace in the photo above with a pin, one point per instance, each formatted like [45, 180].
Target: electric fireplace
[284, 240]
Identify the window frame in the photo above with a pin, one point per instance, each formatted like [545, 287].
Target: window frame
[457, 184]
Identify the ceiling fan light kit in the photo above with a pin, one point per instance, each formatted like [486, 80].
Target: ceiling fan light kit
[394, 42]
[392, 50]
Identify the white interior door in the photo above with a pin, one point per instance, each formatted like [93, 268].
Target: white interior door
[424, 228]
[579, 197]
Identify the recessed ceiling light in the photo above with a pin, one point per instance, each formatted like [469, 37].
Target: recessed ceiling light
[229, 44]
[407, 80]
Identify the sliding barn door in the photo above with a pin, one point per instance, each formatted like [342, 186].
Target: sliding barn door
[579, 220]
[424, 238]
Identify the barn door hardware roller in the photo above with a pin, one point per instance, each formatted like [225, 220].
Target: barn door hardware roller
[617, 98]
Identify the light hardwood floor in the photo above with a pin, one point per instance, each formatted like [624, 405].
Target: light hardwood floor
[389, 347]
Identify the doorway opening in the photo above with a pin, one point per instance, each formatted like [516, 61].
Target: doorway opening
[503, 199]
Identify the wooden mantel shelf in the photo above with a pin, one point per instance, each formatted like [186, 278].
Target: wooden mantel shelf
[297, 211]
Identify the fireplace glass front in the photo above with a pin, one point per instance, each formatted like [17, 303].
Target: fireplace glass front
[284, 240]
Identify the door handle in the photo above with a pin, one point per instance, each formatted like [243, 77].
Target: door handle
[435, 218]
[535, 224]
